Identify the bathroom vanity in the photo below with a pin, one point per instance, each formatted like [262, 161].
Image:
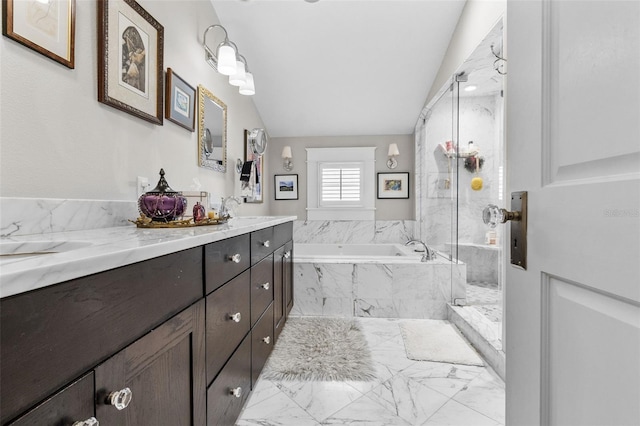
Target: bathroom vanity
[176, 334]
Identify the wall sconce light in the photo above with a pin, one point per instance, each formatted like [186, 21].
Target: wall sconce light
[227, 61]
[392, 163]
[287, 164]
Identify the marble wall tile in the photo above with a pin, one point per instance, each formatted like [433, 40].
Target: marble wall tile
[353, 232]
[28, 216]
[374, 308]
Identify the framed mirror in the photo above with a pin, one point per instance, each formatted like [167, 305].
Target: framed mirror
[212, 131]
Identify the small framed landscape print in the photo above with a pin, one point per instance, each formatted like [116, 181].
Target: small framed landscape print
[393, 185]
[130, 59]
[180, 101]
[48, 27]
[286, 187]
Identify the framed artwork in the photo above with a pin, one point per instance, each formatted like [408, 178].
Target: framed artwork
[48, 28]
[286, 187]
[180, 101]
[259, 163]
[130, 59]
[393, 185]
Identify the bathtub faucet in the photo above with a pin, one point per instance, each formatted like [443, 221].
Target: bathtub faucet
[429, 254]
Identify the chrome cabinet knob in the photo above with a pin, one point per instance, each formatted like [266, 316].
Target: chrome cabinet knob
[266, 244]
[287, 254]
[265, 286]
[235, 258]
[237, 392]
[492, 215]
[235, 317]
[120, 399]
[91, 421]
[267, 339]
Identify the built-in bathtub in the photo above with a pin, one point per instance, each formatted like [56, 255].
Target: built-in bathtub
[373, 280]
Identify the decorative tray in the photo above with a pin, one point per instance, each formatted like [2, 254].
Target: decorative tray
[146, 222]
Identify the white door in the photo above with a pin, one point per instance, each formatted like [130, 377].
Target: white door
[573, 142]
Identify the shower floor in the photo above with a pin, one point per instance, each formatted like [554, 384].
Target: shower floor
[486, 298]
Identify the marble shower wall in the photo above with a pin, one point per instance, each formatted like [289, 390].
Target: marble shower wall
[353, 231]
[480, 122]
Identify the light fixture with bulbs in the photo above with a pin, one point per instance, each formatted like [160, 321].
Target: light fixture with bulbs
[392, 163]
[287, 157]
[228, 61]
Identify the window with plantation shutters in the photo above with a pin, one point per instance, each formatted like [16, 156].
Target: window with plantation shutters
[341, 183]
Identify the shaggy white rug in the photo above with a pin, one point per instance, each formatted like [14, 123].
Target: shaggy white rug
[325, 349]
[439, 341]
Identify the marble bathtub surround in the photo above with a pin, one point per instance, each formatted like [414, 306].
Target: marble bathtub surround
[353, 231]
[408, 290]
[405, 392]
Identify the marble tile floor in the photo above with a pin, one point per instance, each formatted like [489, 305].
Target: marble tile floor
[406, 392]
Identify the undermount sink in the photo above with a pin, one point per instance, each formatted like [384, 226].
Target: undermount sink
[31, 248]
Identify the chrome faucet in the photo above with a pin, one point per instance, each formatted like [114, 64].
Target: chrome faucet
[223, 207]
[429, 254]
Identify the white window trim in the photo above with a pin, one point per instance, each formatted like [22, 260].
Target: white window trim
[366, 209]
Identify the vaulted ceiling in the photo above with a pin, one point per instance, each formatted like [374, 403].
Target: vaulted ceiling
[340, 67]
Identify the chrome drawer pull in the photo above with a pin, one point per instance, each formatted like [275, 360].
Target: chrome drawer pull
[237, 392]
[266, 244]
[235, 258]
[235, 317]
[120, 399]
[265, 286]
[91, 421]
[267, 339]
[287, 255]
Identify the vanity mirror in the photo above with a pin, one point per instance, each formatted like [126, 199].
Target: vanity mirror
[212, 131]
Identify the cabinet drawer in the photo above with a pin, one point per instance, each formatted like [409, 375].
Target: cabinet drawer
[72, 404]
[262, 338]
[262, 244]
[225, 259]
[53, 335]
[282, 233]
[225, 332]
[261, 287]
[223, 407]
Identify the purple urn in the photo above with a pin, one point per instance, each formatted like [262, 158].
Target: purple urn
[162, 204]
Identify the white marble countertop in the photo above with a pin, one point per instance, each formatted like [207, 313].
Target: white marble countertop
[99, 250]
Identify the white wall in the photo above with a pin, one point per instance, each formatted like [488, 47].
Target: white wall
[58, 141]
[395, 209]
[476, 21]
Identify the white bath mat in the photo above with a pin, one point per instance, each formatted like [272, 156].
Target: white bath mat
[437, 341]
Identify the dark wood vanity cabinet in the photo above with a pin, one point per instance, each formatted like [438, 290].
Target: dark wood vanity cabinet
[187, 334]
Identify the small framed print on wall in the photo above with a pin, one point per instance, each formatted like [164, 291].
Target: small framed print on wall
[286, 187]
[48, 27]
[180, 101]
[393, 185]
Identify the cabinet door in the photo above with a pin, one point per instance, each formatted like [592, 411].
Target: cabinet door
[72, 404]
[165, 371]
[230, 390]
[278, 292]
[288, 276]
[262, 344]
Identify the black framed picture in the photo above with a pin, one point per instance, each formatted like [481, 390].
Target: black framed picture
[393, 185]
[286, 187]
